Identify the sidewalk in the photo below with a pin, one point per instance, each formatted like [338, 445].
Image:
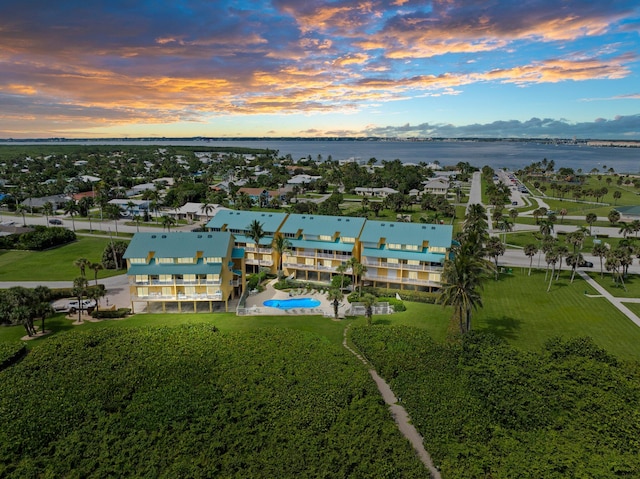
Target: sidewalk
[617, 302]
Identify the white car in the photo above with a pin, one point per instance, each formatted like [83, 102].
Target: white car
[86, 303]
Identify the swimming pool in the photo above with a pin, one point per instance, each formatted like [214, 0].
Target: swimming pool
[286, 304]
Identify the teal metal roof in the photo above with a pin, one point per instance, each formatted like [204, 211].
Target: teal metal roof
[328, 245]
[323, 225]
[628, 210]
[240, 220]
[237, 253]
[407, 233]
[408, 255]
[155, 268]
[179, 244]
[266, 241]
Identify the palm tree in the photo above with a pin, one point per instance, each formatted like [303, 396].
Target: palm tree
[341, 269]
[47, 209]
[551, 258]
[546, 227]
[71, 209]
[167, 222]
[256, 233]
[43, 308]
[82, 263]
[590, 219]
[613, 217]
[113, 212]
[96, 267]
[280, 245]
[530, 250]
[334, 295]
[563, 212]
[22, 209]
[494, 249]
[600, 250]
[573, 260]
[625, 229]
[357, 269]
[79, 291]
[461, 280]
[207, 208]
[368, 300]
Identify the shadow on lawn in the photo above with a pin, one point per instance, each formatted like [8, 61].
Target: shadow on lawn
[505, 327]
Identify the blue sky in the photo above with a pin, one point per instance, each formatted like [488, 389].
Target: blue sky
[313, 68]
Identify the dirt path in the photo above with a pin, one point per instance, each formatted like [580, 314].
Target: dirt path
[398, 413]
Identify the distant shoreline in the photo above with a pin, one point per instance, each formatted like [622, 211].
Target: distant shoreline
[543, 141]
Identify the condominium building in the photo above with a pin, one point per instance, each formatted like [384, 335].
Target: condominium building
[318, 244]
[191, 271]
[239, 224]
[404, 255]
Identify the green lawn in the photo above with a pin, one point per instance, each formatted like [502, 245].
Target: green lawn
[517, 308]
[55, 264]
[632, 283]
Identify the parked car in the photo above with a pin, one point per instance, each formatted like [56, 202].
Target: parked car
[55, 221]
[86, 304]
[585, 264]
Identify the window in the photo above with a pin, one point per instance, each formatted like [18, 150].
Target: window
[190, 278]
[190, 290]
[186, 260]
[167, 291]
[213, 259]
[142, 278]
[142, 292]
[413, 275]
[348, 239]
[165, 278]
[437, 249]
[138, 260]
[309, 261]
[392, 260]
[326, 238]
[165, 260]
[413, 262]
[213, 277]
[394, 246]
[412, 247]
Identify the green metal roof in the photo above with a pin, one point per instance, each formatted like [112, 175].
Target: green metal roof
[407, 233]
[240, 220]
[328, 245]
[155, 268]
[408, 255]
[179, 244]
[316, 225]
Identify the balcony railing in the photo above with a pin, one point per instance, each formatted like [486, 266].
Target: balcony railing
[197, 282]
[402, 266]
[180, 297]
[400, 280]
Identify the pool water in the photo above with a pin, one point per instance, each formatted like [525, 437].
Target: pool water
[292, 303]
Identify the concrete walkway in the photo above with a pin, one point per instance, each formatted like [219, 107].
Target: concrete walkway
[399, 414]
[617, 302]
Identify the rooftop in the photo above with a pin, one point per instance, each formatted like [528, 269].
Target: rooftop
[240, 220]
[179, 245]
[316, 225]
[407, 233]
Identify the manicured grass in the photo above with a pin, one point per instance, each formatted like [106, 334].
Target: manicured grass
[631, 282]
[635, 307]
[519, 309]
[55, 264]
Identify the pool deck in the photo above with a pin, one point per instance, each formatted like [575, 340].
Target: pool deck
[255, 303]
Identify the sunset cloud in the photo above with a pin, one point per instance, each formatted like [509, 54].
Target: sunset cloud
[146, 62]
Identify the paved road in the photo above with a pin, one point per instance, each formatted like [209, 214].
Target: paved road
[475, 194]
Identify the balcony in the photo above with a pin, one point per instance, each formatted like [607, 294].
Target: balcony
[299, 266]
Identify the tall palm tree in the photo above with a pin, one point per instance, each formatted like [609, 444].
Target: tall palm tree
[113, 212]
[82, 263]
[590, 219]
[79, 291]
[530, 250]
[207, 208]
[71, 209]
[495, 249]
[47, 209]
[280, 245]
[368, 300]
[551, 258]
[96, 267]
[357, 269]
[256, 233]
[22, 209]
[335, 295]
[167, 222]
[461, 281]
[600, 250]
[573, 260]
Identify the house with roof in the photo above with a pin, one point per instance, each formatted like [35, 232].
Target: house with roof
[628, 213]
[131, 207]
[185, 270]
[239, 223]
[375, 192]
[196, 211]
[318, 244]
[57, 201]
[404, 255]
[436, 186]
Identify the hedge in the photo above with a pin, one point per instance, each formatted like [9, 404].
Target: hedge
[11, 353]
[110, 314]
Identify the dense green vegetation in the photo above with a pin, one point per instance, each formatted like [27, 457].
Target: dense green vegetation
[196, 402]
[9, 351]
[40, 238]
[488, 410]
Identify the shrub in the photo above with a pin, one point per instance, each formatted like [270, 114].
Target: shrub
[10, 353]
[40, 238]
[397, 304]
[108, 314]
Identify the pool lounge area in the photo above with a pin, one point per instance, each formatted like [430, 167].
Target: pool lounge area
[307, 303]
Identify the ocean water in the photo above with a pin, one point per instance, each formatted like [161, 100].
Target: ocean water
[503, 154]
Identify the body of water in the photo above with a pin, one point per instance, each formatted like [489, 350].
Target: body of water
[503, 154]
[286, 304]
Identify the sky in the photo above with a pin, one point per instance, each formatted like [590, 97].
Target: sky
[320, 68]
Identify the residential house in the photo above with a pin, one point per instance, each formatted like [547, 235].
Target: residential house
[239, 222]
[190, 271]
[196, 212]
[375, 192]
[262, 197]
[436, 186]
[319, 244]
[57, 201]
[131, 207]
[404, 255]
